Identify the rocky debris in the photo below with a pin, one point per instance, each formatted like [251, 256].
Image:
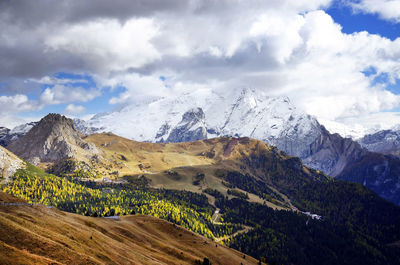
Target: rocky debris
[9, 163]
[52, 139]
[191, 128]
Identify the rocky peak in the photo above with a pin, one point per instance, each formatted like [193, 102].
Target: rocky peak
[193, 115]
[191, 128]
[52, 139]
[385, 142]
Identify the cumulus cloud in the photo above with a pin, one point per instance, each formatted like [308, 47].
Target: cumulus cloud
[386, 9]
[74, 109]
[282, 47]
[64, 94]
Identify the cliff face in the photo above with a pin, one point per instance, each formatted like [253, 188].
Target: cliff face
[52, 139]
[191, 128]
[331, 153]
[9, 163]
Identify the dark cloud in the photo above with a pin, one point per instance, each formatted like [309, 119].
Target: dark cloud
[34, 13]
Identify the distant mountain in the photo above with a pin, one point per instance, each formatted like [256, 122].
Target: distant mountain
[378, 172]
[53, 138]
[385, 142]
[273, 120]
[192, 127]
[82, 127]
[7, 135]
[246, 112]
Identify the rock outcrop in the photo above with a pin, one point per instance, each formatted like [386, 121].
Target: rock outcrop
[52, 139]
[191, 128]
[9, 163]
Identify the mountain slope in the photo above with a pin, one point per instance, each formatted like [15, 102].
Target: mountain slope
[175, 165]
[248, 113]
[378, 172]
[52, 139]
[246, 180]
[243, 113]
[41, 235]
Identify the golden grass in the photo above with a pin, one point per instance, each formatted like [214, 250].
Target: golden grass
[39, 235]
[154, 160]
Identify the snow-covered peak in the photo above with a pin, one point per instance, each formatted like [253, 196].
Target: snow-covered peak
[23, 128]
[242, 112]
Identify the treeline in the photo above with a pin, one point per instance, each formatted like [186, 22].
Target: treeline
[184, 208]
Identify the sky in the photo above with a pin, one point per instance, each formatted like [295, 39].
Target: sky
[337, 60]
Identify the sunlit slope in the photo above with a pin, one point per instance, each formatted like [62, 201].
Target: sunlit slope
[177, 165]
[40, 235]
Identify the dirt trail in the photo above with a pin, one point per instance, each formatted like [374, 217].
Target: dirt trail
[244, 230]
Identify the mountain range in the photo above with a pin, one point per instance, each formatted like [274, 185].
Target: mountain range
[250, 113]
[237, 190]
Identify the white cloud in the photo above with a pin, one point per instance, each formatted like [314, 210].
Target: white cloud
[16, 103]
[386, 9]
[64, 94]
[107, 45]
[283, 47]
[74, 109]
[10, 105]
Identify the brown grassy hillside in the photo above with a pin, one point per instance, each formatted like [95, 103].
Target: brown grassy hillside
[175, 165]
[40, 235]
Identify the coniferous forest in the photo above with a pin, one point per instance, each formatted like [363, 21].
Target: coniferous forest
[344, 234]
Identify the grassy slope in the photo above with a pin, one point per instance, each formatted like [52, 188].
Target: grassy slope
[39, 235]
[187, 159]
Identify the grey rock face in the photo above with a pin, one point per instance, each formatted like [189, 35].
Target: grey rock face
[385, 142]
[331, 153]
[7, 135]
[9, 163]
[163, 132]
[191, 128]
[296, 140]
[52, 139]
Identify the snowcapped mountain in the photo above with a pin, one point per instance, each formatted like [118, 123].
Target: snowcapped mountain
[82, 126]
[191, 128]
[244, 112]
[385, 141]
[7, 135]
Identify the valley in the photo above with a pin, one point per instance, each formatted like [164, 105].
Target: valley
[236, 191]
